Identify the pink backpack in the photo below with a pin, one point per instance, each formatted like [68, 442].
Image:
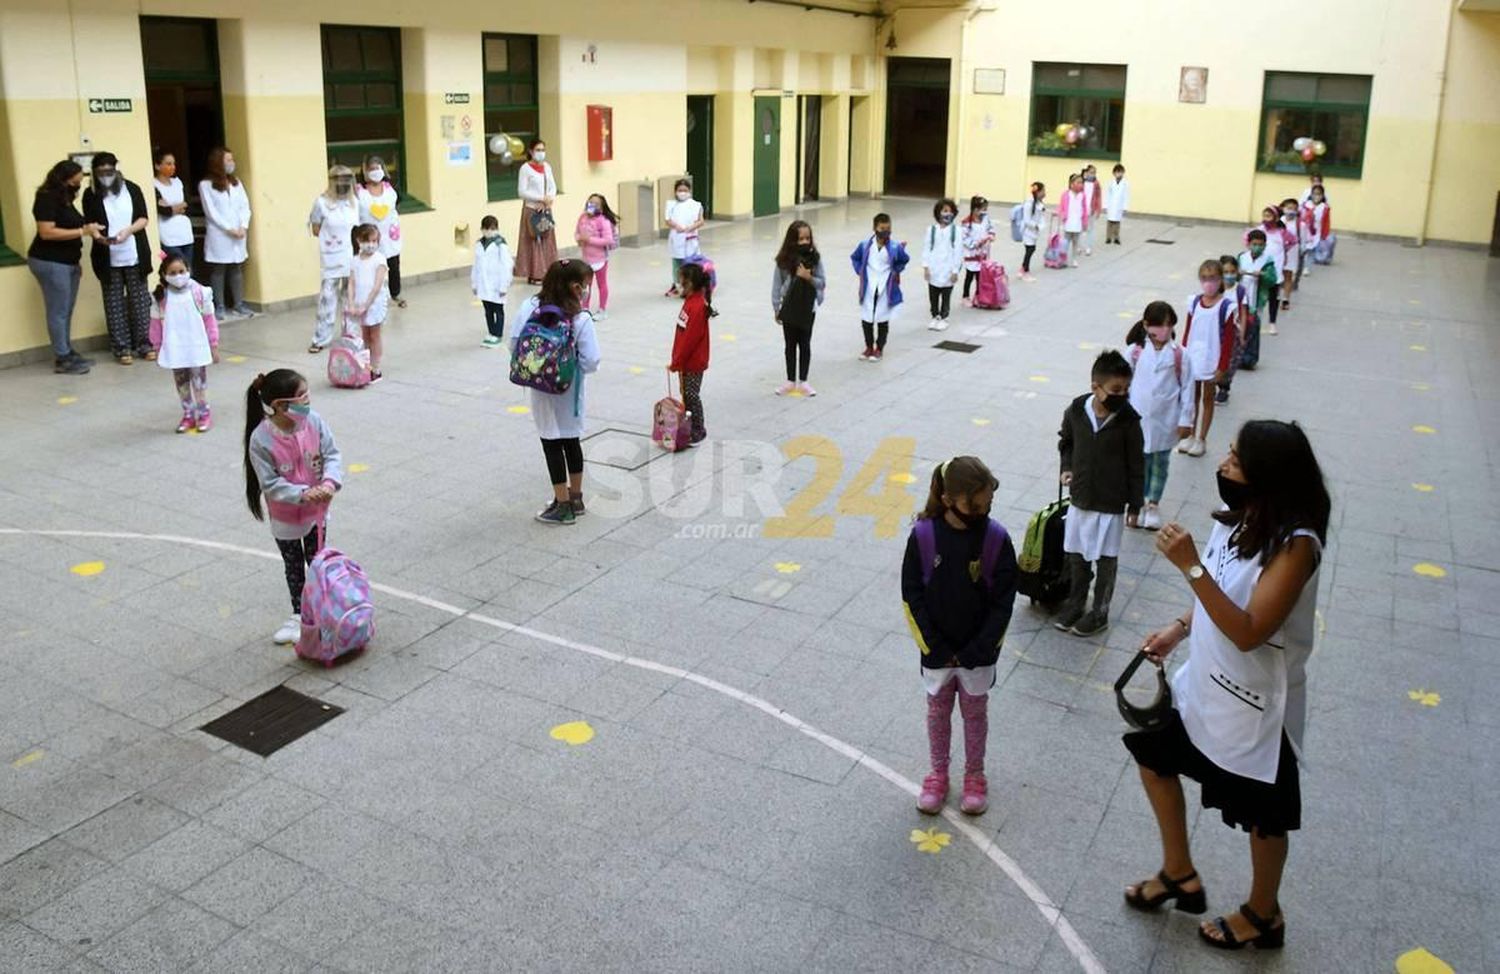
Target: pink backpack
[994, 287]
[671, 426]
[348, 361]
[1056, 255]
[337, 617]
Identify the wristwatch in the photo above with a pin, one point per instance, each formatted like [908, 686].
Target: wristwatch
[1194, 573]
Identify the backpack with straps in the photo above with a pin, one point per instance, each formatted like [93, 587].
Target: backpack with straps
[1135, 358]
[546, 353]
[989, 554]
[1225, 306]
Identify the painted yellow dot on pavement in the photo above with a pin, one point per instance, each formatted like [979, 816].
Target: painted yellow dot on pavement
[902, 478]
[1038, 378]
[1421, 961]
[930, 840]
[1424, 430]
[30, 757]
[1417, 348]
[1087, 346]
[1423, 488]
[728, 337]
[637, 370]
[980, 421]
[518, 410]
[1412, 301]
[1428, 570]
[66, 400]
[1420, 386]
[476, 303]
[788, 567]
[795, 394]
[1127, 315]
[1425, 697]
[358, 467]
[235, 359]
[1174, 277]
[87, 569]
[573, 733]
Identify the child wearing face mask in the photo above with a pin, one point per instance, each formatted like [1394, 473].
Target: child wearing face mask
[1161, 391]
[958, 585]
[1102, 453]
[1277, 242]
[1095, 194]
[1213, 311]
[185, 334]
[1259, 276]
[879, 261]
[491, 277]
[368, 297]
[684, 215]
[1232, 337]
[1116, 199]
[292, 461]
[1073, 213]
[978, 234]
[690, 345]
[796, 291]
[377, 200]
[597, 234]
[1291, 222]
[942, 258]
[1317, 224]
[1033, 217]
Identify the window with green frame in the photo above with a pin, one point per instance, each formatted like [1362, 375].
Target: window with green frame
[511, 104]
[362, 102]
[1333, 109]
[1089, 99]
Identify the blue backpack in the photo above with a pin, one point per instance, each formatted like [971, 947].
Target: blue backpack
[1018, 222]
[994, 541]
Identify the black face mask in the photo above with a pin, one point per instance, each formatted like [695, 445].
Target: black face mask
[1115, 400]
[805, 250]
[972, 520]
[1233, 493]
[882, 235]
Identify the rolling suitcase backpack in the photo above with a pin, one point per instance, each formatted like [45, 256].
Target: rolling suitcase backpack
[993, 292]
[348, 360]
[338, 618]
[1041, 572]
[671, 423]
[1056, 255]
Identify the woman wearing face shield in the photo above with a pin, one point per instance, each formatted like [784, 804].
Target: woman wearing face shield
[335, 212]
[121, 259]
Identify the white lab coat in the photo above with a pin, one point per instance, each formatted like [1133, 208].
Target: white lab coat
[493, 266]
[335, 220]
[976, 240]
[683, 243]
[1116, 199]
[1201, 324]
[1035, 215]
[943, 254]
[1162, 396]
[222, 212]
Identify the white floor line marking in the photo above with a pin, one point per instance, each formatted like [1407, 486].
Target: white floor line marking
[1049, 910]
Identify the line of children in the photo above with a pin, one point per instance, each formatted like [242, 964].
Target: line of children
[942, 258]
[878, 261]
[184, 331]
[797, 288]
[690, 345]
[598, 233]
[978, 234]
[491, 277]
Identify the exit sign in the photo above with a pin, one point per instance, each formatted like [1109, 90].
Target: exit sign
[108, 106]
[455, 98]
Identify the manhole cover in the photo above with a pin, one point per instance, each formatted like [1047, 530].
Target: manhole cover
[272, 720]
[950, 346]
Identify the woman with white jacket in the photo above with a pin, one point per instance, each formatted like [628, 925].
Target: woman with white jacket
[536, 241]
[226, 225]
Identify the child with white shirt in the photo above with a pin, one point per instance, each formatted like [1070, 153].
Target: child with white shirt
[491, 277]
[1073, 214]
[185, 334]
[683, 216]
[369, 293]
[879, 261]
[942, 258]
[1207, 354]
[1161, 390]
[1116, 199]
[978, 234]
[1259, 276]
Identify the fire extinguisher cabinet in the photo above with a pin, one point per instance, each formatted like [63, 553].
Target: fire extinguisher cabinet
[601, 133]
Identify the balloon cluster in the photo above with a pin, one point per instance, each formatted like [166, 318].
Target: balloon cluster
[1308, 149]
[1072, 133]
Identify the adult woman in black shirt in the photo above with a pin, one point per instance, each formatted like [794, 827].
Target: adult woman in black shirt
[54, 257]
[121, 257]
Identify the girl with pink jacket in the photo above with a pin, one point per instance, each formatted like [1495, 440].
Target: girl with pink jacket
[597, 234]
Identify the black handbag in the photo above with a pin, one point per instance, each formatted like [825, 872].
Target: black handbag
[1154, 716]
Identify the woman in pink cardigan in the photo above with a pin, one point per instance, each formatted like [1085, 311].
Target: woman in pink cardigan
[597, 234]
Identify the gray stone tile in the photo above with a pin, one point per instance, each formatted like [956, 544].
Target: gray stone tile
[90, 913]
[42, 874]
[16, 837]
[262, 809]
[245, 953]
[24, 951]
[179, 859]
[173, 936]
[205, 784]
[118, 832]
[248, 886]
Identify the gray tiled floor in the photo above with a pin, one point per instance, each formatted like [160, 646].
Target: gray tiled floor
[437, 826]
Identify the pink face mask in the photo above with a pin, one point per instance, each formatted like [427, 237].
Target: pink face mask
[1159, 336]
[1210, 287]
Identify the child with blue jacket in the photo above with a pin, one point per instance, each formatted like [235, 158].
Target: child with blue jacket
[958, 583]
[878, 261]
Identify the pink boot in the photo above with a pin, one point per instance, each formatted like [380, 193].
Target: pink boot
[974, 801]
[934, 793]
[975, 710]
[939, 742]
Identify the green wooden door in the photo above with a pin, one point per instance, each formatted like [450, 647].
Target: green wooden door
[767, 155]
[700, 148]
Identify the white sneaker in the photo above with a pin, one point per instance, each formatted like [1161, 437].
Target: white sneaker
[1185, 445]
[932, 325]
[807, 390]
[1075, 263]
[942, 325]
[1088, 251]
[600, 315]
[785, 388]
[1198, 448]
[1151, 518]
[289, 631]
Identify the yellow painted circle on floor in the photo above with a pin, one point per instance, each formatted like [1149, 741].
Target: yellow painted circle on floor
[87, 569]
[573, 733]
[729, 337]
[1423, 488]
[1174, 277]
[66, 400]
[1417, 348]
[788, 567]
[1087, 346]
[476, 303]
[1038, 378]
[1428, 570]
[1424, 430]
[518, 410]
[1127, 315]
[795, 394]
[980, 421]
[1413, 301]
[358, 467]
[235, 359]
[1420, 386]
[637, 370]
[1425, 697]
[1421, 961]
[902, 478]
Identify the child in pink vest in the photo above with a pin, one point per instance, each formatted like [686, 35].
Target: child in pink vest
[597, 234]
[291, 458]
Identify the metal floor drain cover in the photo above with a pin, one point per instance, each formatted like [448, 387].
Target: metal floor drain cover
[951, 346]
[272, 720]
[1156, 241]
[621, 449]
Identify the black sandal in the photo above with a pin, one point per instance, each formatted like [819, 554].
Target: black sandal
[1266, 936]
[1195, 901]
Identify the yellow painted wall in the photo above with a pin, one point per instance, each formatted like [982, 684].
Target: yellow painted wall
[1467, 175]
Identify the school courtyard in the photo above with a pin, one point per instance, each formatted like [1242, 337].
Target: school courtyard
[683, 735]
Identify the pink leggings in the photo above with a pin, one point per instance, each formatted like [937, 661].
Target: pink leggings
[601, 285]
[940, 726]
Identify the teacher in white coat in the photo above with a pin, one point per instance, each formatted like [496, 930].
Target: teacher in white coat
[226, 226]
[1241, 698]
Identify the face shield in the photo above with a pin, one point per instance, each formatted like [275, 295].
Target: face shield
[341, 182]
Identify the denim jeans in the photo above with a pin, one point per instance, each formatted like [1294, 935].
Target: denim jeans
[1157, 465]
[59, 294]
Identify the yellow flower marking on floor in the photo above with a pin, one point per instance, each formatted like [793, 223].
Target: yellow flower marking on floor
[1425, 430]
[788, 567]
[1423, 488]
[475, 303]
[1427, 698]
[518, 410]
[358, 467]
[31, 757]
[1428, 570]
[1421, 961]
[1420, 386]
[573, 733]
[66, 400]
[980, 421]
[1417, 348]
[1124, 314]
[87, 569]
[234, 359]
[1412, 301]
[930, 840]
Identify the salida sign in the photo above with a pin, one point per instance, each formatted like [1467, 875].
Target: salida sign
[107, 106]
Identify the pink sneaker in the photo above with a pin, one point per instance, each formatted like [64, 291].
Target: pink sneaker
[205, 419]
[808, 390]
[785, 388]
[186, 425]
[976, 788]
[934, 791]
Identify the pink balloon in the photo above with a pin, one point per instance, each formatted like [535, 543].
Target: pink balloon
[1072, 137]
[1308, 155]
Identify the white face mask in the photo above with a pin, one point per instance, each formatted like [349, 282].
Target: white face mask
[375, 175]
[178, 281]
[105, 181]
[229, 169]
[368, 248]
[489, 234]
[540, 155]
[683, 195]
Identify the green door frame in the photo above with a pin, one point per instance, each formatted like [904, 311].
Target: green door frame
[767, 167]
[700, 149]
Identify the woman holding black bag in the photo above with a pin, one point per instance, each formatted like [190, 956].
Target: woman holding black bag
[121, 258]
[1240, 699]
[796, 291]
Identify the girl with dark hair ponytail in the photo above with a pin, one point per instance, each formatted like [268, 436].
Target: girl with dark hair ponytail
[1161, 390]
[290, 458]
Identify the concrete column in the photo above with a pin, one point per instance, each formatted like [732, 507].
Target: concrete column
[833, 175]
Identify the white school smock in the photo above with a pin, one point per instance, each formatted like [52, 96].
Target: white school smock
[1164, 400]
[184, 339]
[380, 209]
[1250, 268]
[119, 210]
[561, 415]
[1034, 215]
[175, 230]
[942, 254]
[1093, 534]
[1116, 199]
[976, 681]
[493, 268]
[684, 243]
[1201, 355]
[222, 212]
[976, 246]
[1078, 207]
[876, 306]
[362, 274]
[1234, 705]
[335, 221]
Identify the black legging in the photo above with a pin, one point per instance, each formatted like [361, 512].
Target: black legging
[870, 340]
[939, 298]
[969, 278]
[798, 351]
[393, 275]
[1275, 301]
[564, 457]
[296, 555]
[1026, 258]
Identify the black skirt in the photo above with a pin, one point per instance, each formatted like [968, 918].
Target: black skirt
[1271, 809]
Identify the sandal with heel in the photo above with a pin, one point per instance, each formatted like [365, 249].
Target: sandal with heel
[1267, 937]
[1188, 901]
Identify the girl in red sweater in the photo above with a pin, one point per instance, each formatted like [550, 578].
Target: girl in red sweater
[690, 345]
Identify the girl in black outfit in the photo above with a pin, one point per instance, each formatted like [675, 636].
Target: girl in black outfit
[796, 292]
[121, 258]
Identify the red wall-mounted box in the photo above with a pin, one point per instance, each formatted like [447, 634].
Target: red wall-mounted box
[601, 133]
